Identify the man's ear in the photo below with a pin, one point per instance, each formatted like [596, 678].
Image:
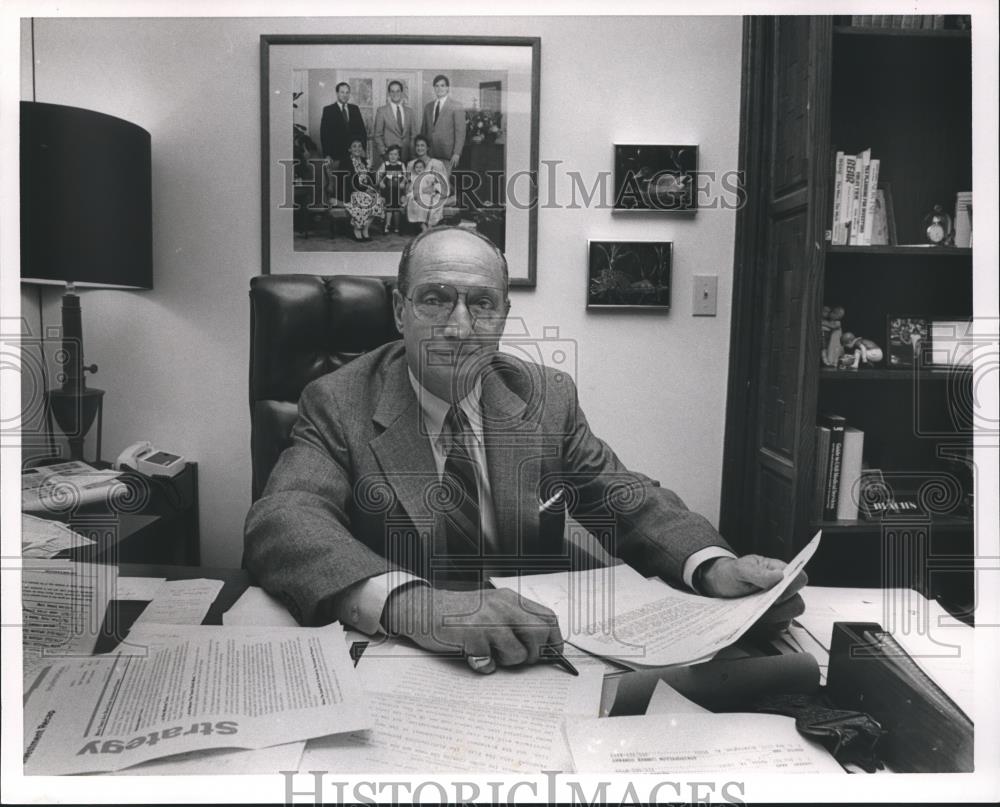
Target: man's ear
[397, 309]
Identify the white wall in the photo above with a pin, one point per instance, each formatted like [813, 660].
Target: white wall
[174, 360]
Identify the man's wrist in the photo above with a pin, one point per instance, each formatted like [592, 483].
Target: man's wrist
[390, 621]
[698, 579]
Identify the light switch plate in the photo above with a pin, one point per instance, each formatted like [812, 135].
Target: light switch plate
[706, 292]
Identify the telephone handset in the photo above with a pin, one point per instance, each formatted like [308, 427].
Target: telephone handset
[145, 459]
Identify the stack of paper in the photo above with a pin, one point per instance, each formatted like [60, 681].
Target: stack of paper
[616, 613]
[433, 713]
[62, 607]
[44, 538]
[688, 741]
[66, 485]
[177, 689]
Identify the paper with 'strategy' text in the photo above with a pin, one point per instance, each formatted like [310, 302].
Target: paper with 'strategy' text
[171, 689]
[433, 713]
[616, 613]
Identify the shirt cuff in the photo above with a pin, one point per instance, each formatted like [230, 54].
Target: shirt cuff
[698, 558]
[360, 606]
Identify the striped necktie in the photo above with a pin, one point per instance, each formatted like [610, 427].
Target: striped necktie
[437, 110]
[399, 118]
[464, 523]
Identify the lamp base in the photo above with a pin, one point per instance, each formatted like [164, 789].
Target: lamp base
[74, 411]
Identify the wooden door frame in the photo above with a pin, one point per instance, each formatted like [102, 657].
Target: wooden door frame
[745, 339]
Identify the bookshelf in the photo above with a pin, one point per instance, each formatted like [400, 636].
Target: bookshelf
[814, 86]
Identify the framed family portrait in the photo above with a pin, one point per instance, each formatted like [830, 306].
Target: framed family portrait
[629, 274]
[368, 140]
[660, 178]
[908, 340]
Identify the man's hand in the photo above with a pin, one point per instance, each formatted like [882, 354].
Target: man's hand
[489, 626]
[454, 160]
[737, 577]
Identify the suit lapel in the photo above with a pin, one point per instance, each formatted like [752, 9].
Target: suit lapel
[514, 451]
[403, 450]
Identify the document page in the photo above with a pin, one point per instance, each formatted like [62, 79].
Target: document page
[181, 602]
[687, 742]
[256, 607]
[62, 607]
[174, 689]
[273, 760]
[434, 714]
[617, 613]
[44, 538]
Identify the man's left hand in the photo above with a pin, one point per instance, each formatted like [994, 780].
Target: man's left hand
[454, 160]
[737, 577]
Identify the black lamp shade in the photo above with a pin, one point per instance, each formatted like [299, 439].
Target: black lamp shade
[86, 198]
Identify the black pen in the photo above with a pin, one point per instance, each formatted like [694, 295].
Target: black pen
[549, 653]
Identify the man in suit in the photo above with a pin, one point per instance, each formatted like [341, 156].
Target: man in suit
[394, 125]
[340, 126]
[425, 464]
[444, 124]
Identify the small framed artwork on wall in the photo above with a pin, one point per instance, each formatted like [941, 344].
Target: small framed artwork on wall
[657, 178]
[629, 274]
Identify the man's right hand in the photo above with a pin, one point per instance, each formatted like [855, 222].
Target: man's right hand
[488, 626]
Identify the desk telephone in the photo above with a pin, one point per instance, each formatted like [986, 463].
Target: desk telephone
[143, 458]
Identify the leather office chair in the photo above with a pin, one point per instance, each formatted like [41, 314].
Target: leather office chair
[302, 327]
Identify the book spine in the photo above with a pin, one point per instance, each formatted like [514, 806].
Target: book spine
[847, 212]
[963, 222]
[859, 176]
[871, 195]
[850, 474]
[834, 464]
[838, 196]
[822, 460]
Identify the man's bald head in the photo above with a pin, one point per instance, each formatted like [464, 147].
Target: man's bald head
[451, 248]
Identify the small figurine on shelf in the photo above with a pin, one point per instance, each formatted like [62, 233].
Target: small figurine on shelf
[859, 352]
[832, 330]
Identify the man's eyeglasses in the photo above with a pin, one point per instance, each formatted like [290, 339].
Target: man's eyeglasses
[435, 302]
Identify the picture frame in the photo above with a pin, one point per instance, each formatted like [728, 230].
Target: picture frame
[629, 274]
[907, 341]
[660, 178]
[952, 343]
[884, 220]
[307, 200]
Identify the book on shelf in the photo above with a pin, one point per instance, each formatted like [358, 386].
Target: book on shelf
[830, 434]
[862, 173]
[855, 192]
[850, 474]
[838, 197]
[871, 189]
[963, 219]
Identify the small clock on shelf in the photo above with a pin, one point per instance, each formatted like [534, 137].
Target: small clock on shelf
[937, 227]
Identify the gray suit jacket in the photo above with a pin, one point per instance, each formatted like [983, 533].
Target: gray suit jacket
[447, 136]
[385, 132]
[357, 492]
